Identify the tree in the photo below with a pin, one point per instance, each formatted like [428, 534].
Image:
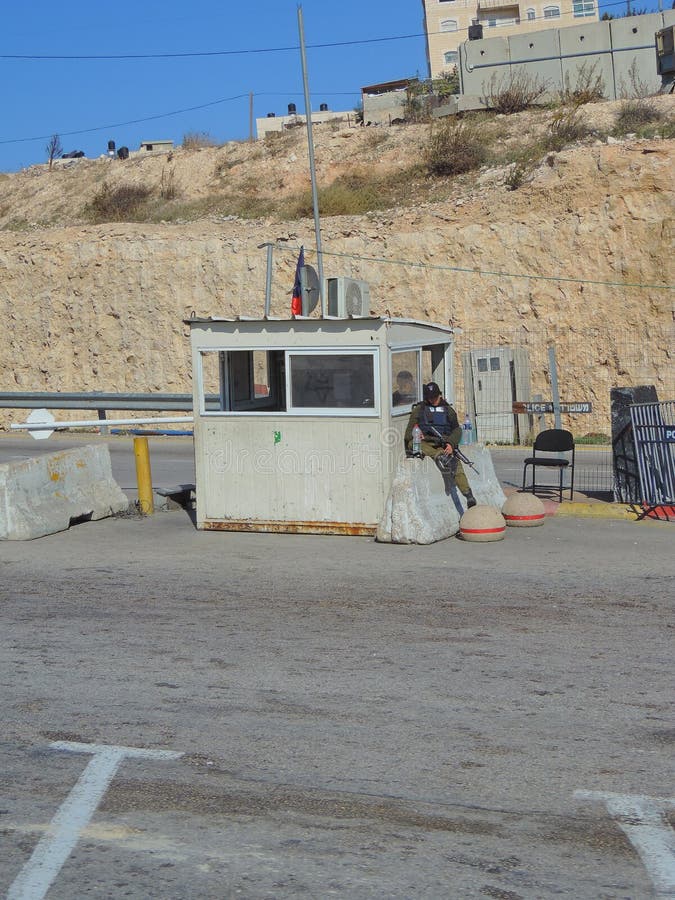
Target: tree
[53, 148]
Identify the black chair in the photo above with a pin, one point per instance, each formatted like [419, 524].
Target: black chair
[555, 440]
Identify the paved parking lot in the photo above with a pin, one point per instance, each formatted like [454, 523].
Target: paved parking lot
[342, 718]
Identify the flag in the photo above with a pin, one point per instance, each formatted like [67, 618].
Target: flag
[296, 299]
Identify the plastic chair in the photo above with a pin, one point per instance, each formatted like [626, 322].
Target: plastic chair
[554, 440]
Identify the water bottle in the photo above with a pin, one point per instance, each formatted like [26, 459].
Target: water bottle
[417, 440]
[467, 431]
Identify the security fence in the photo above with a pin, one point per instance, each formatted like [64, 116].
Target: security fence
[506, 382]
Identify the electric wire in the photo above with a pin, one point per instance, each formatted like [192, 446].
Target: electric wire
[175, 112]
[195, 54]
[475, 270]
[187, 54]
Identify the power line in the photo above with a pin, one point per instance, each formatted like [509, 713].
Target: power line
[473, 270]
[191, 54]
[208, 53]
[175, 112]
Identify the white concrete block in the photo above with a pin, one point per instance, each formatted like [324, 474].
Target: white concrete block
[44, 494]
[484, 484]
[423, 508]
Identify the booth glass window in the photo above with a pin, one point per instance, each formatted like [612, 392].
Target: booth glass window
[422, 364]
[332, 381]
[405, 378]
[242, 381]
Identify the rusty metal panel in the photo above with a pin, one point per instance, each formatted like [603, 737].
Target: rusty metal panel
[258, 525]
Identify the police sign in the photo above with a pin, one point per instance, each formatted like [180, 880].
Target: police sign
[525, 407]
[656, 434]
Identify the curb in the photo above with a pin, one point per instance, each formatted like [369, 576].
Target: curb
[616, 511]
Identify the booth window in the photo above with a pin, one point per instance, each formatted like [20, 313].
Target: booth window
[405, 378]
[332, 381]
[410, 369]
[242, 381]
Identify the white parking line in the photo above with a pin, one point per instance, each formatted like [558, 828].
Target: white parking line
[74, 814]
[643, 821]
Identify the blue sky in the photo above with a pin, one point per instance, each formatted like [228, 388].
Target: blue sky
[47, 96]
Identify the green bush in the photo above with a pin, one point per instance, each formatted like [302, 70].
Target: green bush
[455, 147]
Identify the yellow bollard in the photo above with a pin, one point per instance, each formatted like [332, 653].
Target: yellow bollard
[143, 476]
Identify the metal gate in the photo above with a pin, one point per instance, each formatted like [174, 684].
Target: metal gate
[654, 435]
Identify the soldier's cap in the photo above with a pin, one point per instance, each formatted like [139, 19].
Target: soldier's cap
[431, 390]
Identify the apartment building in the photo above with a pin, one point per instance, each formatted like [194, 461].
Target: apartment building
[446, 22]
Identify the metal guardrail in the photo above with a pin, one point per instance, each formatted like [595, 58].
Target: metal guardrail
[94, 400]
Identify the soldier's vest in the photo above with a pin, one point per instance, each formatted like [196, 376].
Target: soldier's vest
[437, 417]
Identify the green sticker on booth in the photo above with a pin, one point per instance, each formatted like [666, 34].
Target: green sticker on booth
[277, 437]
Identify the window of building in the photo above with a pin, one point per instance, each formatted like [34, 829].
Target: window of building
[583, 8]
[531, 15]
[492, 23]
[551, 12]
[449, 25]
[450, 57]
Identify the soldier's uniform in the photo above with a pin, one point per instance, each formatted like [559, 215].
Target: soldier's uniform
[440, 417]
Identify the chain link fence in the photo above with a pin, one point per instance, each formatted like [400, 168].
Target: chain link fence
[496, 369]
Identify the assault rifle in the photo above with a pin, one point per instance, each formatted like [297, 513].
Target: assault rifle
[457, 452]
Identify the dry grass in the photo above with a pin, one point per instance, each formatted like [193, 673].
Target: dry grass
[125, 203]
[455, 147]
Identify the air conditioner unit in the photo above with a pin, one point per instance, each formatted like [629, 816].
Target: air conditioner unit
[348, 297]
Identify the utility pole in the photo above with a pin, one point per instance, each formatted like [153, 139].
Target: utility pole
[312, 167]
[250, 117]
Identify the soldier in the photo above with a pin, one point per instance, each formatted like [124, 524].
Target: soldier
[434, 413]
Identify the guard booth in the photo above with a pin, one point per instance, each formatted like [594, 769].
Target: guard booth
[299, 423]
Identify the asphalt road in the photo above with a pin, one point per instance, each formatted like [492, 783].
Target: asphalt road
[356, 720]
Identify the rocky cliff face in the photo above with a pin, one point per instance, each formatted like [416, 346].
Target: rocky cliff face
[581, 254]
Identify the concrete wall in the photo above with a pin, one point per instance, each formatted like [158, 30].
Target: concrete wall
[382, 109]
[621, 51]
[279, 123]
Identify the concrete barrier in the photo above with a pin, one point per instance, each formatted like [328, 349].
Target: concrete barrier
[47, 493]
[421, 508]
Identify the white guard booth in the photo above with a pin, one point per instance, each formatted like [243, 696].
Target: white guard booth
[299, 423]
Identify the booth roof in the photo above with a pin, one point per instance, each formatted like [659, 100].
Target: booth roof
[204, 320]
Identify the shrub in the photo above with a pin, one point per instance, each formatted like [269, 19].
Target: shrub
[565, 128]
[513, 92]
[417, 105]
[168, 188]
[280, 142]
[635, 114]
[589, 87]
[517, 175]
[637, 89]
[197, 140]
[120, 204]
[455, 147]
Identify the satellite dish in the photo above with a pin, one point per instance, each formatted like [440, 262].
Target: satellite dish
[309, 281]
